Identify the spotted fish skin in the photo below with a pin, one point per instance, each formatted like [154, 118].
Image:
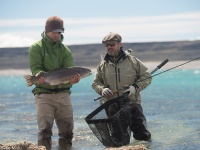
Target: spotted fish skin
[58, 76]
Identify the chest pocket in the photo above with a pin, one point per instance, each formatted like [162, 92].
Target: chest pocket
[50, 59]
[127, 75]
[109, 74]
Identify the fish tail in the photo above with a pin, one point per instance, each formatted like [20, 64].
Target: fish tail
[28, 80]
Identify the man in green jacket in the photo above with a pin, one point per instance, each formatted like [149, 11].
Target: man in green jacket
[52, 102]
[120, 73]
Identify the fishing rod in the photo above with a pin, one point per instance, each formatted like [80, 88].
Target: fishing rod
[171, 68]
[158, 67]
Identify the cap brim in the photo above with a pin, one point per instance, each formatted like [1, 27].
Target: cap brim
[58, 30]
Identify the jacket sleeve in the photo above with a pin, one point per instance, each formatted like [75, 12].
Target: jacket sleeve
[35, 59]
[97, 84]
[144, 77]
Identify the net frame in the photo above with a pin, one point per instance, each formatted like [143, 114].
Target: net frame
[110, 122]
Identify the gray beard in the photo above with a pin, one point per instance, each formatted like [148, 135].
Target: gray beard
[112, 54]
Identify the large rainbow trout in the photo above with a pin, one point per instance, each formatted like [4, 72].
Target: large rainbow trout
[58, 76]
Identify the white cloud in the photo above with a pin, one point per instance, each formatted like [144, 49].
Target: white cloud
[183, 26]
[10, 40]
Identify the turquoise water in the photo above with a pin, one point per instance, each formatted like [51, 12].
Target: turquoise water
[171, 104]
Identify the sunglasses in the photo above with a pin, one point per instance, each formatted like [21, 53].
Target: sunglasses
[56, 32]
[110, 44]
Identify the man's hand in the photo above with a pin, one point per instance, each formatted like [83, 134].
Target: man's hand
[41, 80]
[129, 89]
[106, 92]
[75, 79]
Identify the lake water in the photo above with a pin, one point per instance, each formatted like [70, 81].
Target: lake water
[171, 105]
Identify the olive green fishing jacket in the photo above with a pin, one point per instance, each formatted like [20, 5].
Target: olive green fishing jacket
[45, 56]
[127, 71]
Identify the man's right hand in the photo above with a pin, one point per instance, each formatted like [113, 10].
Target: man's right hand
[41, 80]
[107, 92]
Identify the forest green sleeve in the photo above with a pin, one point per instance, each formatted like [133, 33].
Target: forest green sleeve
[35, 59]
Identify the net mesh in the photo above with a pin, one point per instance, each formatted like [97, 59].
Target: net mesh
[110, 122]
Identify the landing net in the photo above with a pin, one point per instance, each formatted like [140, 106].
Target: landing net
[110, 122]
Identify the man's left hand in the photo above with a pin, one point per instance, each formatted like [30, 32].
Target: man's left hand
[129, 90]
[75, 79]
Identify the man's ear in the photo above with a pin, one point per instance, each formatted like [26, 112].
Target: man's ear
[120, 44]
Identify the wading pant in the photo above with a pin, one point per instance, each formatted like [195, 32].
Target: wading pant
[56, 107]
[138, 123]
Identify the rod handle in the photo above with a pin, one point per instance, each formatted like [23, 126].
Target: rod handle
[98, 98]
[163, 63]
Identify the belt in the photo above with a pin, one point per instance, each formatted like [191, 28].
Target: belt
[52, 91]
[57, 90]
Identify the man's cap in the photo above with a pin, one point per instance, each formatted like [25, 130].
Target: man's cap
[54, 24]
[112, 37]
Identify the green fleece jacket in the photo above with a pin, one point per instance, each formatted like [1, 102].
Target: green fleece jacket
[45, 56]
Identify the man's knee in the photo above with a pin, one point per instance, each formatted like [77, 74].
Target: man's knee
[45, 124]
[65, 124]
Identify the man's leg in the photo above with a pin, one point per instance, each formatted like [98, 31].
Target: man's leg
[138, 123]
[45, 118]
[64, 121]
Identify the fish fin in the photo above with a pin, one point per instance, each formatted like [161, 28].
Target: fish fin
[57, 69]
[28, 80]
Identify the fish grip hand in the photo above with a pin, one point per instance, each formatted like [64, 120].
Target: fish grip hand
[110, 122]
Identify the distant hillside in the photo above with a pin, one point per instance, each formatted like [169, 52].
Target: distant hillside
[89, 55]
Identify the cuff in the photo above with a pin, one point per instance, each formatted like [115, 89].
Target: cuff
[135, 85]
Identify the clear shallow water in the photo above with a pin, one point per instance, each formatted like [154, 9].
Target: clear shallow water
[171, 104]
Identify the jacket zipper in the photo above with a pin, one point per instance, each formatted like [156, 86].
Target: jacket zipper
[54, 57]
[116, 76]
[119, 74]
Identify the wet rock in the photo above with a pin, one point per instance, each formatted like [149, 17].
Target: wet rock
[21, 146]
[130, 147]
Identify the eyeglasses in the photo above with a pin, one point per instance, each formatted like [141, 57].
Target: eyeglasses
[110, 44]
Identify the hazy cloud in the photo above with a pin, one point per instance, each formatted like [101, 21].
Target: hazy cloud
[185, 26]
[12, 40]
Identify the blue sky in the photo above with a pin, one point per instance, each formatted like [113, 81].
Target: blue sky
[88, 21]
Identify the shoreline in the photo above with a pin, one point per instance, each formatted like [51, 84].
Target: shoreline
[150, 64]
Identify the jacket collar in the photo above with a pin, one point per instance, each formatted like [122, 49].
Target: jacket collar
[48, 41]
[120, 56]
